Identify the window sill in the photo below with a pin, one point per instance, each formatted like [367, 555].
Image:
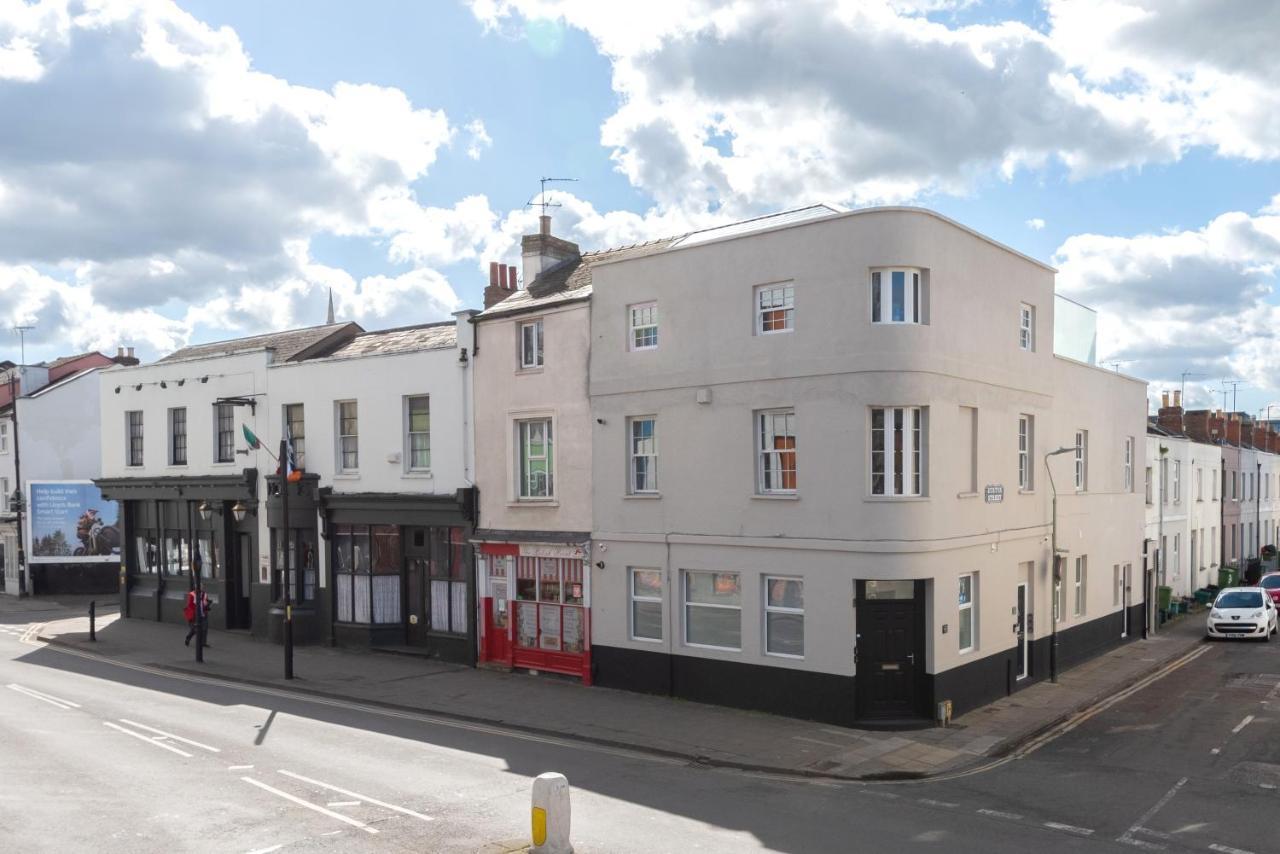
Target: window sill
[647, 640]
[776, 496]
[534, 502]
[1026, 492]
[894, 499]
[223, 463]
[534, 370]
[350, 475]
[967, 494]
[969, 651]
[785, 655]
[709, 646]
[178, 466]
[642, 496]
[418, 475]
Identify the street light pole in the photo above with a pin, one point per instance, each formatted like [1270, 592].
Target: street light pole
[1056, 575]
[288, 559]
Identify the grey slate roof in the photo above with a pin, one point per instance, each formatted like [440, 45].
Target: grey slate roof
[287, 344]
[569, 281]
[406, 339]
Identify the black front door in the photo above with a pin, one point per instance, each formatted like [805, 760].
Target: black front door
[417, 557]
[239, 579]
[889, 658]
[1021, 629]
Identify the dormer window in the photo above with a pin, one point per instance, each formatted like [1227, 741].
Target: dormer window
[896, 296]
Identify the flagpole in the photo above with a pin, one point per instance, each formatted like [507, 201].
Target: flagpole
[289, 559]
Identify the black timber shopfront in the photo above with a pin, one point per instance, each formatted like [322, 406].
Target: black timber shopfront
[400, 569]
[168, 521]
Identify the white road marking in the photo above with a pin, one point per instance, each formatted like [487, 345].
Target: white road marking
[300, 802]
[41, 695]
[1139, 826]
[1216, 751]
[239, 767]
[1244, 723]
[1158, 834]
[148, 739]
[268, 850]
[1009, 816]
[343, 803]
[1069, 828]
[352, 794]
[170, 735]
[934, 803]
[27, 692]
[1227, 849]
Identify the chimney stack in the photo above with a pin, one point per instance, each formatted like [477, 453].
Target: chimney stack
[544, 225]
[1171, 417]
[502, 283]
[1233, 429]
[1204, 425]
[544, 250]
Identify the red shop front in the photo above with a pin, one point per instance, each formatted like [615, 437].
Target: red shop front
[536, 607]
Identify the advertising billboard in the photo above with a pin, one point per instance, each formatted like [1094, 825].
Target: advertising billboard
[69, 522]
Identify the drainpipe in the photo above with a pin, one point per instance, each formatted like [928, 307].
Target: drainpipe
[1056, 575]
[1159, 576]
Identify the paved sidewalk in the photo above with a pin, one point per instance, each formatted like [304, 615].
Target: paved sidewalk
[698, 732]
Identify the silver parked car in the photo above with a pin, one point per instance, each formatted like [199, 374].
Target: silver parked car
[1242, 612]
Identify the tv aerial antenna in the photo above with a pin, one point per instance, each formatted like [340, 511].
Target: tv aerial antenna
[22, 340]
[542, 195]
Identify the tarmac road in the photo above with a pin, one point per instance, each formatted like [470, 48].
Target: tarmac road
[96, 756]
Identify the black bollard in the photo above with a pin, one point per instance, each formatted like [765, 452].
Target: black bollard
[93, 616]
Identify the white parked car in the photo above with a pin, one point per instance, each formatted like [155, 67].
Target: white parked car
[1242, 612]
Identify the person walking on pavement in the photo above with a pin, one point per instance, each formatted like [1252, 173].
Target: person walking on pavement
[189, 611]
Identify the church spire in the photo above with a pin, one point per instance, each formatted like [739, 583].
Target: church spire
[330, 317]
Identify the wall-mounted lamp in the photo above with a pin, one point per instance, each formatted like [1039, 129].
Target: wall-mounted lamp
[599, 420]
[204, 379]
[238, 510]
[599, 564]
[462, 357]
[181, 383]
[205, 510]
[138, 387]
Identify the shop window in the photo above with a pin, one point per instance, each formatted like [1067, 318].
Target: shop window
[366, 563]
[301, 564]
[784, 616]
[176, 554]
[206, 550]
[148, 554]
[448, 590]
[713, 610]
[549, 612]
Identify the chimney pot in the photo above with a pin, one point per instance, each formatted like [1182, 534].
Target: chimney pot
[511, 278]
[493, 274]
[130, 352]
[1177, 397]
[1164, 400]
[119, 352]
[544, 224]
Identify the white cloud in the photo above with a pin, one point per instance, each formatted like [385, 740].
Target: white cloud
[478, 138]
[1192, 300]
[1035, 224]
[756, 105]
[153, 174]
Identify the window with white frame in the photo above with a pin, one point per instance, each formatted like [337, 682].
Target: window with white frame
[133, 433]
[1025, 467]
[1082, 460]
[642, 438]
[646, 604]
[776, 454]
[1213, 546]
[644, 326]
[1199, 483]
[1176, 562]
[4, 437]
[1059, 593]
[1027, 327]
[1117, 586]
[965, 618]
[784, 616]
[1079, 585]
[896, 296]
[1177, 481]
[713, 609]
[348, 436]
[1128, 464]
[897, 450]
[296, 430]
[178, 436]
[531, 344]
[1214, 494]
[1149, 496]
[534, 475]
[6, 500]
[775, 308]
[224, 425]
[417, 440]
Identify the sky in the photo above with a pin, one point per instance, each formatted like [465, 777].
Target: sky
[182, 172]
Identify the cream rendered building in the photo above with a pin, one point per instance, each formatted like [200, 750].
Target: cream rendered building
[819, 470]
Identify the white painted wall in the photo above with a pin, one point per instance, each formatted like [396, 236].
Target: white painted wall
[59, 430]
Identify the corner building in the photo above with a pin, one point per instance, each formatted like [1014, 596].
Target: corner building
[820, 483]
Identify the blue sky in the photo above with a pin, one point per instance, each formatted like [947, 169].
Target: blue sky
[209, 168]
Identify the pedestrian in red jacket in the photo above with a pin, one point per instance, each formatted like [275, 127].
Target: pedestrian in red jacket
[189, 611]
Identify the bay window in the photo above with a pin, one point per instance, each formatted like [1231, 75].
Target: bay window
[897, 450]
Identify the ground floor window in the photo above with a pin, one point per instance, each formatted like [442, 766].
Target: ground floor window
[448, 575]
[646, 604]
[366, 573]
[784, 616]
[713, 609]
[301, 563]
[966, 612]
[550, 595]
